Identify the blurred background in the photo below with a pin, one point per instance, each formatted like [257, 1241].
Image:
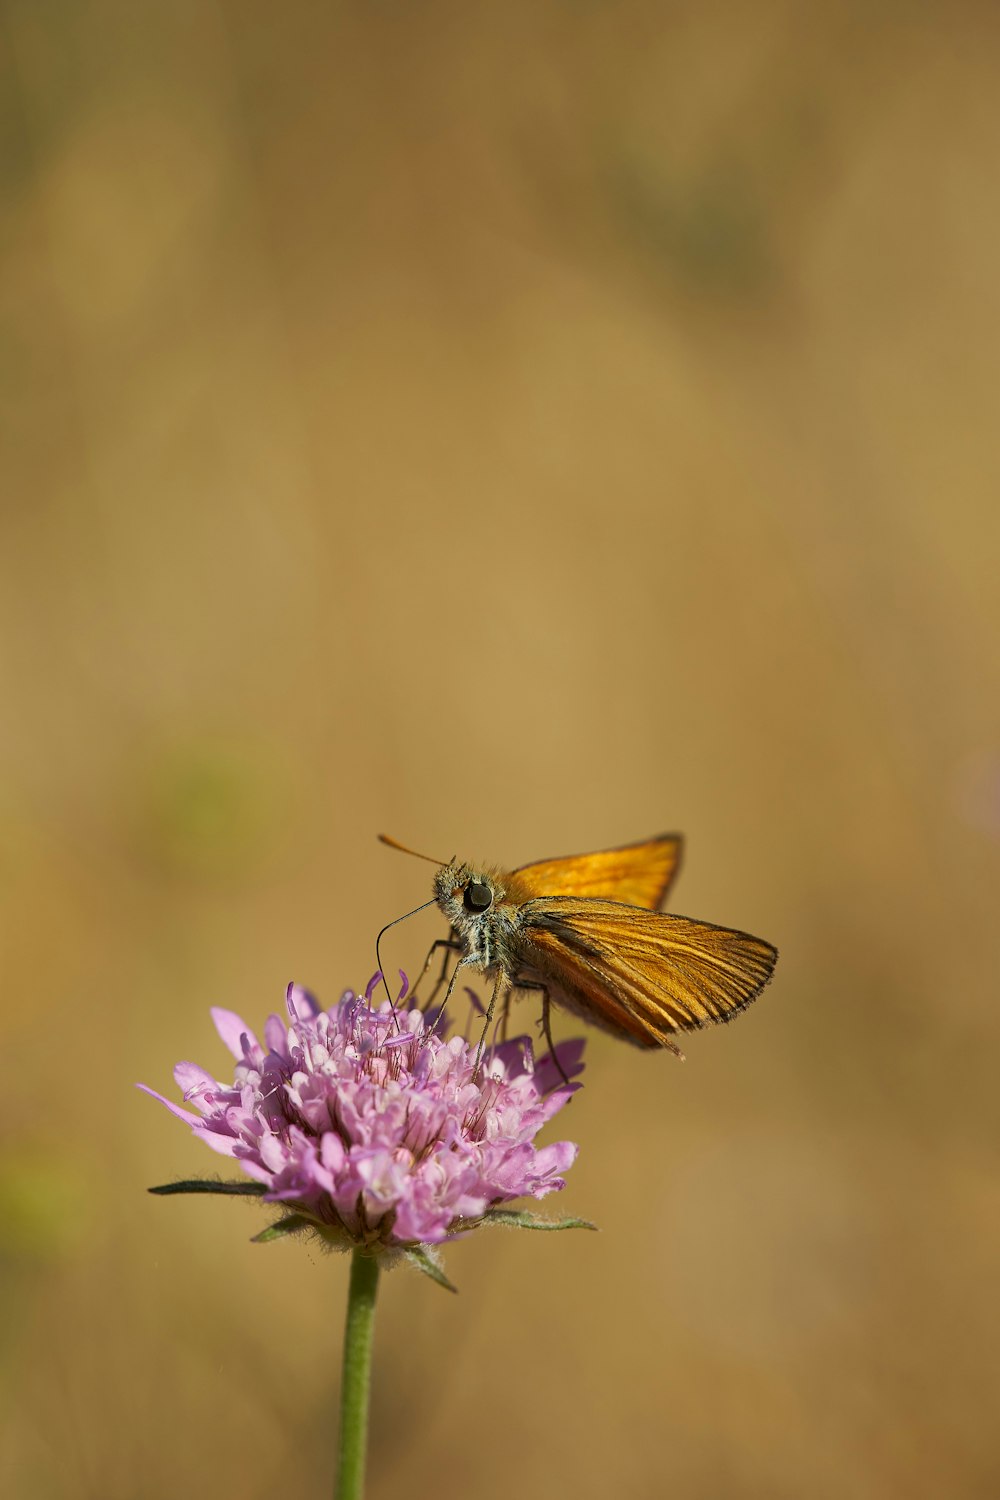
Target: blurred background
[522, 429]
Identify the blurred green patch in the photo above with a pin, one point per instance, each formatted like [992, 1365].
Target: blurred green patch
[711, 229]
[212, 811]
[44, 1207]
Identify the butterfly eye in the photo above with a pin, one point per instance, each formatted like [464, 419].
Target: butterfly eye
[478, 896]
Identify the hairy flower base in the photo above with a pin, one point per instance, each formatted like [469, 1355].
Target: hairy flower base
[369, 1127]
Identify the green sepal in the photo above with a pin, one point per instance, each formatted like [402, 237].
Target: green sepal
[205, 1185]
[420, 1257]
[515, 1218]
[290, 1224]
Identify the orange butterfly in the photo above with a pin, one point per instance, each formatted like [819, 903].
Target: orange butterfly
[587, 931]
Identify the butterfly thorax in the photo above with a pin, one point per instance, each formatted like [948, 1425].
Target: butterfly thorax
[484, 920]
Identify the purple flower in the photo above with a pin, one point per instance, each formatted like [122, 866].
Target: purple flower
[370, 1127]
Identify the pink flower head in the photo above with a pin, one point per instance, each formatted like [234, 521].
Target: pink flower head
[370, 1126]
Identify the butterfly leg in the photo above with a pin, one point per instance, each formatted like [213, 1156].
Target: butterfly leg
[543, 989]
[489, 1016]
[462, 963]
[504, 1016]
[547, 1029]
[450, 945]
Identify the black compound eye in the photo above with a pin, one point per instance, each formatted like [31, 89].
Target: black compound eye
[478, 896]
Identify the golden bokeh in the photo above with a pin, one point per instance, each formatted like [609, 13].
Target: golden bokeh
[521, 429]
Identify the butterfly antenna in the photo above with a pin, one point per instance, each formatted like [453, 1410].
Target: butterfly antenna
[384, 838]
[378, 940]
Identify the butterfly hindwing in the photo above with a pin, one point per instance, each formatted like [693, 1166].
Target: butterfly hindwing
[643, 974]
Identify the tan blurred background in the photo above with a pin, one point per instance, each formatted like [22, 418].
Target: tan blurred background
[521, 428]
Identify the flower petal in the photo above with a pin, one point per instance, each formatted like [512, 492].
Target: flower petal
[175, 1109]
[232, 1029]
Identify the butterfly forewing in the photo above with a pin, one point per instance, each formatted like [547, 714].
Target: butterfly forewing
[643, 974]
[638, 874]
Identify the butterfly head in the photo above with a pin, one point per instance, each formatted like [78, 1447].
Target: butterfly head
[468, 897]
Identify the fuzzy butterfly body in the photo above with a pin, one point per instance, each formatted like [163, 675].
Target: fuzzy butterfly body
[587, 930]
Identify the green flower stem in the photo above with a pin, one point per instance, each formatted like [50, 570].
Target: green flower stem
[356, 1376]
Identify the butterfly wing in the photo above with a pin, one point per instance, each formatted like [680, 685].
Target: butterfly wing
[643, 975]
[638, 874]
